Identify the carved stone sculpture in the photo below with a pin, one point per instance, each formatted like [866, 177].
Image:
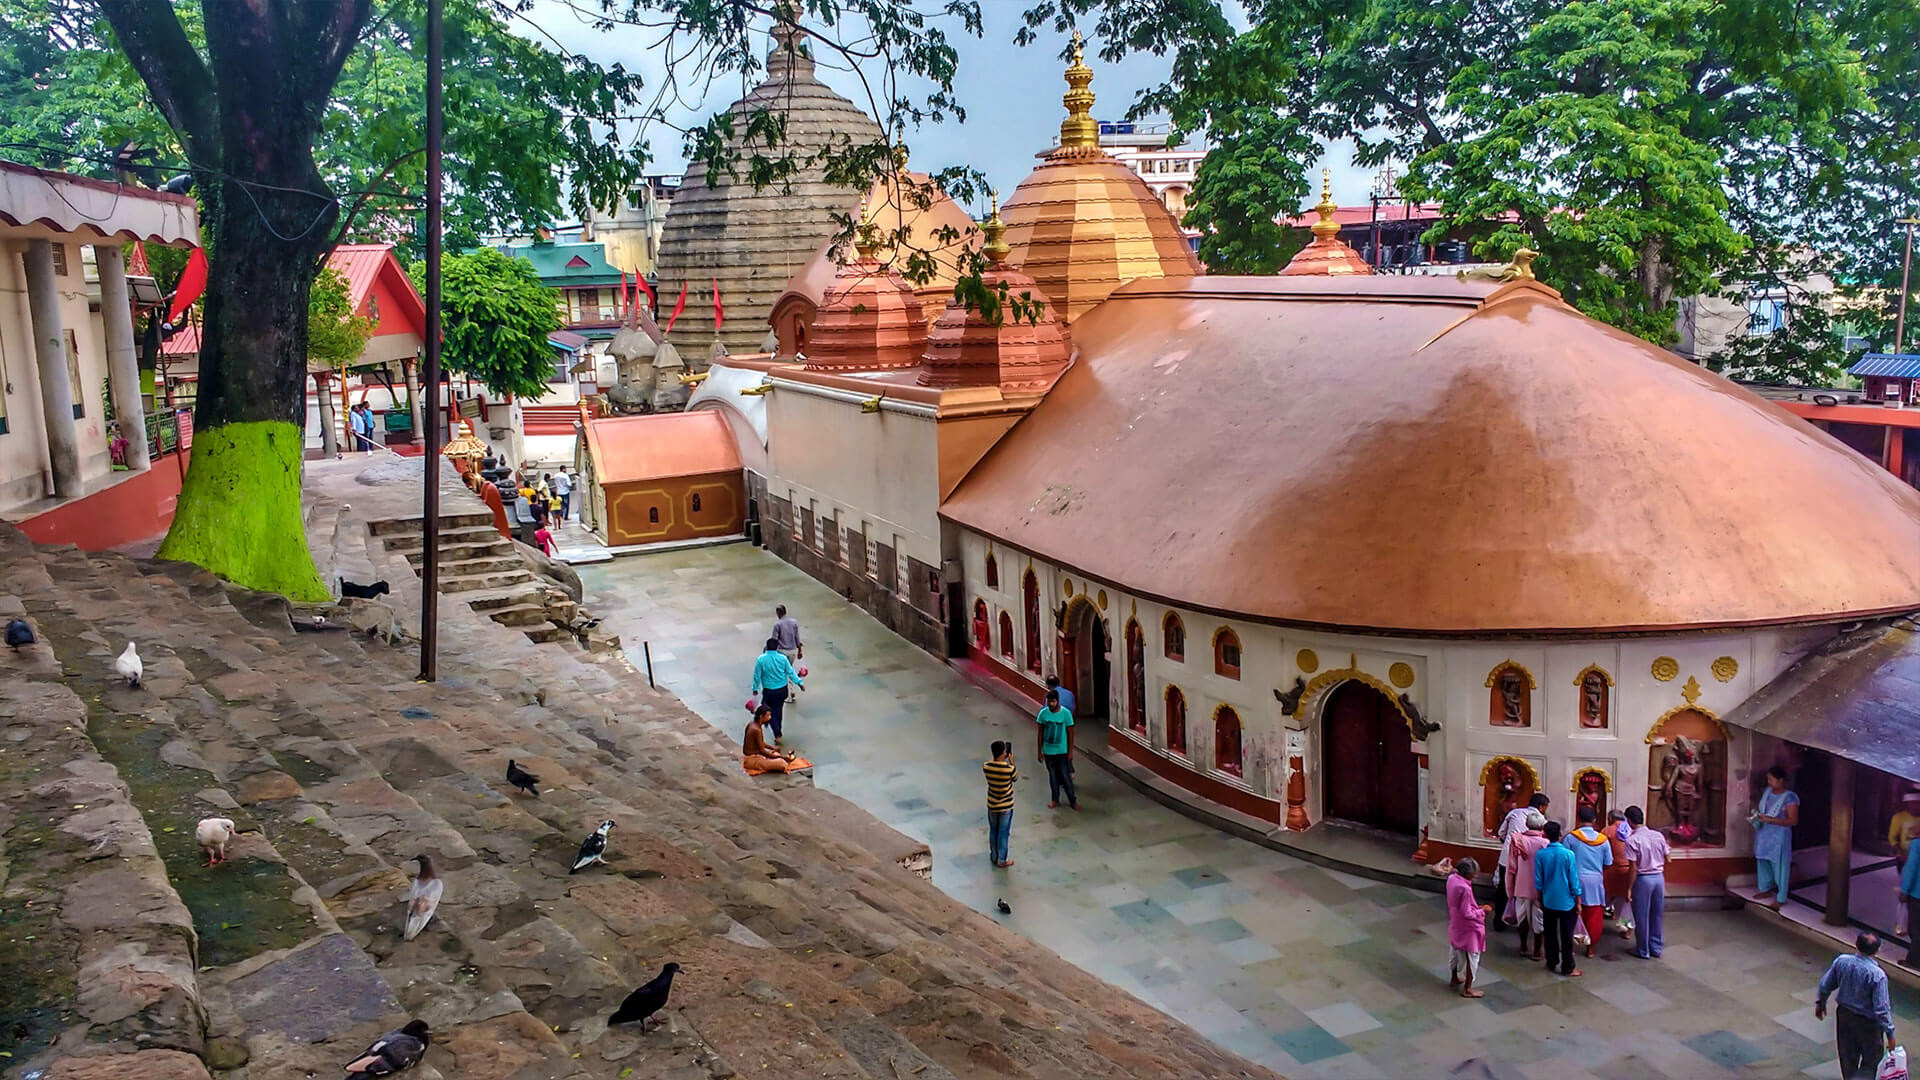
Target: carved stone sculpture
[1593, 700]
[1592, 791]
[634, 351]
[1420, 725]
[1512, 705]
[1683, 788]
[1290, 700]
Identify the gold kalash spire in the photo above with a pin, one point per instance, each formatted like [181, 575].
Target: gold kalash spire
[1326, 227]
[995, 249]
[1079, 130]
[1327, 255]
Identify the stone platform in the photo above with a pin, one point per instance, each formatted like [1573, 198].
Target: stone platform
[806, 953]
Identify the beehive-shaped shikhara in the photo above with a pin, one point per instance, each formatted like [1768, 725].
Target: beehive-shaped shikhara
[1018, 352]
[869, 319]
[1083, 224]
[750, 241]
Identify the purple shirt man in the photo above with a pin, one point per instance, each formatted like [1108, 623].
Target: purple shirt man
[1647, 851]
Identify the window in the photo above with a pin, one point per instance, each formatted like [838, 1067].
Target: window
[1030, 602]
[993, 572]
[59, 259]
[653, 515]
[1006, 635]
[1176, 720]
[1226, 653]
[1136, 677]
[1173, 637]
[1226, 740]
[696, 503]
[982, 630]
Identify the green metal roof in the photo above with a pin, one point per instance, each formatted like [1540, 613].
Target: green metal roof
[564, 265]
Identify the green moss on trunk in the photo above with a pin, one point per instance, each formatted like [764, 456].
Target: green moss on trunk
[239, 511]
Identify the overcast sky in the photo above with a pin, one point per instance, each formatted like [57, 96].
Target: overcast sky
[1011, 95]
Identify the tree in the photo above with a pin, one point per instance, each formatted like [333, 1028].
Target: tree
[1648, 148]
[253, 96]
[336, 336]
[1253, 175]
[497, 317]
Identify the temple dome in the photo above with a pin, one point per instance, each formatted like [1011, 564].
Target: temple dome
[1019, 354]
[721, 229]
[1327, 255]
[869, 317]
[1083, 224]
[1432, 456]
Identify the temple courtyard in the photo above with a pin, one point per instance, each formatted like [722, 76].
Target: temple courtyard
[1311, 971]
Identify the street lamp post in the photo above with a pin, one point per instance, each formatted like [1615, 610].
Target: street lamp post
[1906, 267]
[430, 408]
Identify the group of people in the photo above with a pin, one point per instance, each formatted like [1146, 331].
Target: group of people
[775, 677]
[1055, 751]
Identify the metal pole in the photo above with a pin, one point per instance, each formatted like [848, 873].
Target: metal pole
[647, 649]
[430, 509]
[1906, 267]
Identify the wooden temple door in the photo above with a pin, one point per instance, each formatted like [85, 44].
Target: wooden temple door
[1070, 666]
[1369, 775]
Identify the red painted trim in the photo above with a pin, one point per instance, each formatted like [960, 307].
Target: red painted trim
[139, 507]
[996, 666]
[1871, 415]
[1193, 780]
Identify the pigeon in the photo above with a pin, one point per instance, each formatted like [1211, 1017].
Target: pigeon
[19, 633]
[423, 900]
[394, 1052]
[649, 999]
[353, 591]
[1005, 908]
[593, 849]
[128, 667]
[213, 835]
[522, 779]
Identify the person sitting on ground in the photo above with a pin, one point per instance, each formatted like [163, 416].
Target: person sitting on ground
[757, 757]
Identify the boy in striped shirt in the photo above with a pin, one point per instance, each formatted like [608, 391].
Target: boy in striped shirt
[1000, 777]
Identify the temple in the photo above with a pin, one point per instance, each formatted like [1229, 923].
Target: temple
[1326, 549]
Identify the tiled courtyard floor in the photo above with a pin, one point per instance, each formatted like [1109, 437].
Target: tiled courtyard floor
[1312, 972]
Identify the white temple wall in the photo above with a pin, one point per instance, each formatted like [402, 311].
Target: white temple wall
[854, 467]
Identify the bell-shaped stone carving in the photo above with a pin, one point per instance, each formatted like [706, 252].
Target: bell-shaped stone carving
[669, 393]
[635, 354]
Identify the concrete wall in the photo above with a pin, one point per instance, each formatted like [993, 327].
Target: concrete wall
[1446, 681]
[655, 511]
[24, 465]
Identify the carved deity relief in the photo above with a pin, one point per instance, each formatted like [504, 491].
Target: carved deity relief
[1688, 780]
[1506, 784]
[1591, 790]
[1593, 700]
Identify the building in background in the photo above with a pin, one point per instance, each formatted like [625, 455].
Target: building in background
[631, 232]
[1168, 170]
[657, 479]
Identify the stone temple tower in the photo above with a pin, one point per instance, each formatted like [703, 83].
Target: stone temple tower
[721, 229]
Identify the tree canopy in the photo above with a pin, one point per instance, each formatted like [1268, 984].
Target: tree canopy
[496, 316]
[1649, 149]
[336, 335]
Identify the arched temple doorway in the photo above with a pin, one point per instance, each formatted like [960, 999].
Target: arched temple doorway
[1369, 774]
[1084, 666]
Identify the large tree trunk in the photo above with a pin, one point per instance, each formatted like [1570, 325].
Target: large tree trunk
[247, 116]
[239, 510]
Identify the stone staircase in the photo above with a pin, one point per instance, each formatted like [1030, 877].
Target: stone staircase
[804, 954]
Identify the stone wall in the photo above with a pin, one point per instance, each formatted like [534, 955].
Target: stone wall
[865, 572]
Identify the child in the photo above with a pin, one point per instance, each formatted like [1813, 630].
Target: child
[1466, 928]
[1000, 777]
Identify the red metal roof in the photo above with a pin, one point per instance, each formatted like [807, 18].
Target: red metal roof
[362, 265]
[663, 445]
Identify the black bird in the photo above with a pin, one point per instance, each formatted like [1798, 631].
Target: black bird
[350, 590]
[1005, 908]
[522, 779]
[19, 633]
[593, 849]
[394, 1052]
[649, 999]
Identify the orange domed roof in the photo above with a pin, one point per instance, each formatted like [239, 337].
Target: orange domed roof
[869, 319]
[1327, 255]
[1021, 351]
[1431, 456]
[1083, 224]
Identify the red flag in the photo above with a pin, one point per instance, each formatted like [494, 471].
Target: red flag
[679, 306]
[193, 282]
[719, 317]
[640, 280]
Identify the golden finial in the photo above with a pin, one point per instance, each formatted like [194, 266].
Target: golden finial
[1326, 228]
[995, 249]
[866, 235]
[1079, 129]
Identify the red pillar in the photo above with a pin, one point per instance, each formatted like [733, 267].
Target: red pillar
[1894, 457]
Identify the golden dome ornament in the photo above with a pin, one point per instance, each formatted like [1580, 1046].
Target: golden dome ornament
[464, 446]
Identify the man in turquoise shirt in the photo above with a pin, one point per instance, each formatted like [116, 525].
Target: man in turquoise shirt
[1056, 749]
[772, 672]
[1558, 879]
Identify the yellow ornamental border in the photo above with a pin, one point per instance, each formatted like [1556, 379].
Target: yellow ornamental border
[1720, 725]
[1592, 770]
[1532, 684]
[1486, 771]
[1339, 675]
[1580, 679]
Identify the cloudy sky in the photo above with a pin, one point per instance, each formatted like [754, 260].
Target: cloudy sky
[1011, 95]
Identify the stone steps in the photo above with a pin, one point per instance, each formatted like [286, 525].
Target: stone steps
[484, 536]
[449, 519]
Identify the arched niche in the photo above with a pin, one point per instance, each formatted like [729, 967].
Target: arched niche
[1687, 750]
[1595, 702]
[1510, 689]
[1593, 787]
[1506, 783]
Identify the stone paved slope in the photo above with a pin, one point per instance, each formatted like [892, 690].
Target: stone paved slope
[805, 955]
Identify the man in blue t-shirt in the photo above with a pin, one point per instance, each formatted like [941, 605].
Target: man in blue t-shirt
[1066, 695]
[1056, 750]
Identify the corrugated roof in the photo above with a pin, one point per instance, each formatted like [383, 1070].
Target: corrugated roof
[631, 448]
[1858, 697]
[566, 339]
[567, 264]
[1888, 365]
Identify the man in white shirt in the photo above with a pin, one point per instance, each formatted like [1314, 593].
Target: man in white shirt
[1511, 826]
[562, 490]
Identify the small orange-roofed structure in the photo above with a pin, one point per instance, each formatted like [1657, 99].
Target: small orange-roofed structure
[1327, 255]
[1024, 349]
[869, 319]
[669, 476]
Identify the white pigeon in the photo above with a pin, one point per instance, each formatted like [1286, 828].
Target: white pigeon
[423, 899]
[128, 666]
[213, 835]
